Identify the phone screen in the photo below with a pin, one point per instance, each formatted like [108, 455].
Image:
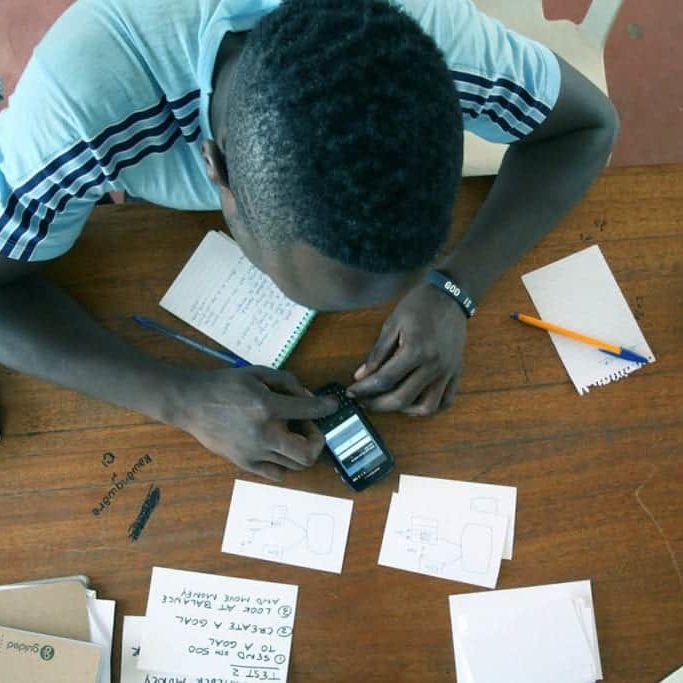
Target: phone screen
[355, 448]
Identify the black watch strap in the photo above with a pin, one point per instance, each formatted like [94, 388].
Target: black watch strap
[450, 288]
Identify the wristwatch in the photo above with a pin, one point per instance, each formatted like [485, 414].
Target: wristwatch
[447, 286]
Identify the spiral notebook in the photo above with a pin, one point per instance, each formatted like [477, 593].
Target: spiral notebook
[220, 293]
[580, 292]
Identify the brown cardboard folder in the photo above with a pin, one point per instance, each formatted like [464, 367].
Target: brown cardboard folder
[35, 658]
[57, 609]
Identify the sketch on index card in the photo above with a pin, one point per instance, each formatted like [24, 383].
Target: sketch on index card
[288, 526]
[274, 536]
[443, 537]
[438, 555]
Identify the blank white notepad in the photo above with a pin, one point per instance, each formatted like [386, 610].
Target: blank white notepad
[535, 634]
[223, 295]
[579, 292]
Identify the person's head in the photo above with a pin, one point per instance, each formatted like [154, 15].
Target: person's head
[338, 150]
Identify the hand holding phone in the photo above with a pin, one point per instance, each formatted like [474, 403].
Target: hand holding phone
[356, 449]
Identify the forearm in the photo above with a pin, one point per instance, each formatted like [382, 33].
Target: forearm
[537, 185]
[46, 334]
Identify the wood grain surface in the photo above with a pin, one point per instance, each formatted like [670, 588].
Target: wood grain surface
[599, 477]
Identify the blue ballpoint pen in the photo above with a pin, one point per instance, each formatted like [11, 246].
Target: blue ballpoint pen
[224, 355]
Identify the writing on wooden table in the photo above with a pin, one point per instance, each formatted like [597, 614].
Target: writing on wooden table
[120, 483]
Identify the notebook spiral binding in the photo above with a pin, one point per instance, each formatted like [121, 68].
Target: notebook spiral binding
[298, 332]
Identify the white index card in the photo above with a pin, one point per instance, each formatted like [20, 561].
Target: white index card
[484, 498]
[217, 624]
[288, 526]
[437, 539]
[533, 645]
[474, 612]
[130, 650]
[675, 677]
[130, 653]
[101, 619]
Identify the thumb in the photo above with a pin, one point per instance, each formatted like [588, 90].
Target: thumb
[383, 349]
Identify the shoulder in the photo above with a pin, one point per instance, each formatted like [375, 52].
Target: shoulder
[90, 104]
[104, 58]
[507, 83]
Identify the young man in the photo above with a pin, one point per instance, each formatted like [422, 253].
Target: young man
[330, 134]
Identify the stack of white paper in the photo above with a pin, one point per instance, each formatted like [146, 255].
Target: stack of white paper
[101, 620]
[288, 526]
[526, 635]
[452, 529]
[201, 627]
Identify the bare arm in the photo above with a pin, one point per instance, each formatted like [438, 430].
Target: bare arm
[240, 414]
[541, 178]
[45, 333]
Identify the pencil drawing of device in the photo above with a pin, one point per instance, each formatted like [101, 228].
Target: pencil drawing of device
[437, 554]
[274, 537]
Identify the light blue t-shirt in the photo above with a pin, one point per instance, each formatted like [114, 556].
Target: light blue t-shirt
[116, 97]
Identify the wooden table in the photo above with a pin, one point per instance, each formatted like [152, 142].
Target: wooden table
[599, 477]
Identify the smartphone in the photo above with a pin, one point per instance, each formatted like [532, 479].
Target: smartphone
[356, 449]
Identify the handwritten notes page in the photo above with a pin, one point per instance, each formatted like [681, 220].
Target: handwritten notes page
[579, 292]
[223, 295]
[443, 538]
[538, 634]
[483, 498]
[237, 629]
[283, 525]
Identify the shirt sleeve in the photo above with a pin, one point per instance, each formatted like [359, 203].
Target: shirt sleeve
[50, 178]
[507, 83]
[45, 198]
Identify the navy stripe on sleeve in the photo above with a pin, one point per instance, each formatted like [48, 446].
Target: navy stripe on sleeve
[503, 83]
[125, 163]
[498, 120]
[66, 184]
[504, 103]
[507, 104]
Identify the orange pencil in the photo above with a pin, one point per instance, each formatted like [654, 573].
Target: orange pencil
[605, 347]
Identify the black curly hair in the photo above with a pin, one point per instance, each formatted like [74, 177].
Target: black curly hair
[344, 131]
